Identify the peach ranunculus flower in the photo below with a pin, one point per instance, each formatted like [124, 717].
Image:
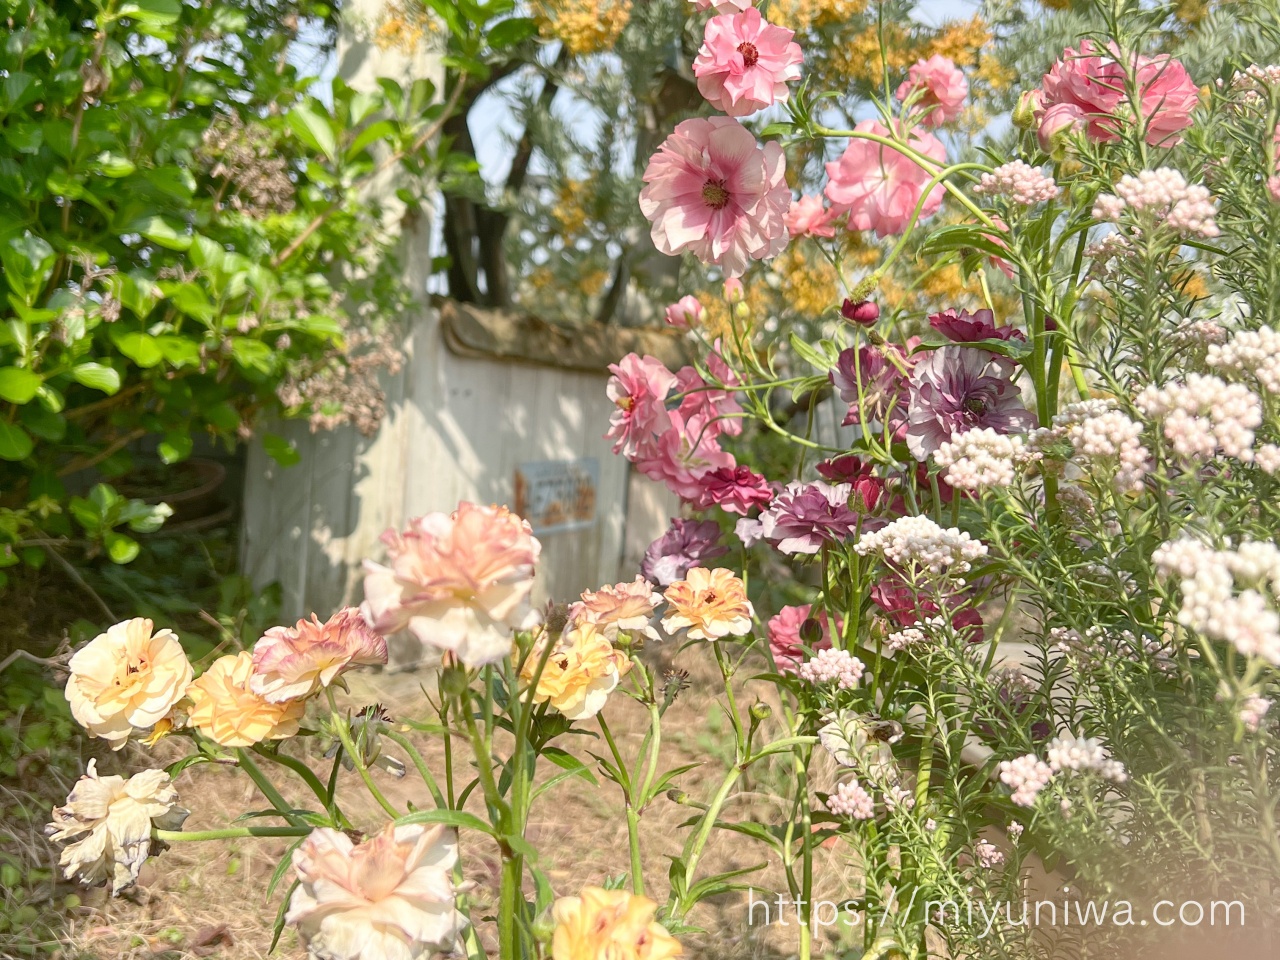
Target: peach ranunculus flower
[226, 710]
[292, 663]
[609, 923]
[390, 897]
[583, 669]
[459, 582]
[110, 820]
[621, 608]
[126, 679]
[708, 604]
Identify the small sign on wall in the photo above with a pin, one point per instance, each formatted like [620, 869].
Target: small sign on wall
[557, 495]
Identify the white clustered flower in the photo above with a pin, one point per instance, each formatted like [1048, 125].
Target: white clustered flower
[1253, 711]
[1026, 776]
[1020, 181]
[1251, 83]
[833, 666]
[1209, 604]
[1084, 753]
[988, 854]
[851, 800]
[1205, 415]
[978, 459]
[931, 825]
[1267, 457]
[909, 636]
[1165, 197]
[918, 541]
[897, 796]
[1015, 829]
[1100, 435]
[1107, 248]
[1256, 352]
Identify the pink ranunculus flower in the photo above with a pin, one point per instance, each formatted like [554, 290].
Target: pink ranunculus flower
[638, 389]
[714, 191]
[941, 86]
[785, 643]
[809, 218]
[745, 62]
[718, 409]
[1089, 86]
[458, 582]
[619, 608]
[880, 186]
[290, 663]
[683, 454]
[722, 6]
[685, 313]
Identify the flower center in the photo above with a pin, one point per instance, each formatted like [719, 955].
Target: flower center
[974, 406]
[750, 55]
[715, 195]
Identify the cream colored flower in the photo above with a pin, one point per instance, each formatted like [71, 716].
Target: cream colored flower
[389, 898]
[227, 711]
[612, 924]
[583, 669]
[126, 680]
[709, 604]
[112, 819]
[292, 663]
[621, 608]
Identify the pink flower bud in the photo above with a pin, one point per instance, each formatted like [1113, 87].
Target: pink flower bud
[864, 312]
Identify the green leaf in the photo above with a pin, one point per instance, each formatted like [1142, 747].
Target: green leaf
[18, 385]
[139, 347]
[369, 135]
[113, 165]
[15, 444]
[814, 357]
[98, 376]
[174, 447]
[120, 549]
[508, 33]
[313, 128]
[280, 450]
[251, 353]
[154, 12]
[162, 231]
[454, 818]
[28, 261]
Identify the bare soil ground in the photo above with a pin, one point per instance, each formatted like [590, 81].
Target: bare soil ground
[209, 899]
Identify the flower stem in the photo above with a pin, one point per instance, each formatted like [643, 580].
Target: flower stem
[228, 833]
[344, 734]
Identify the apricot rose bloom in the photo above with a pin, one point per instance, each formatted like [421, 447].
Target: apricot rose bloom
[292, 663]
[226, 710]
[609, 923]
[708, 605]
[126, 679]
[390, 897]
[581, 672]
[621, 608]
[458, 582]
[111, 819]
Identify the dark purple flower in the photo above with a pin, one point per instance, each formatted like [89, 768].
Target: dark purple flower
[735, 489]
[847, 468]
[864, 312]
[805, 515]
[966, 327]
[958, 389]
[684, 546]
[883, 381]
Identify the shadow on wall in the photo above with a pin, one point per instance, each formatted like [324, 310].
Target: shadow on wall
[483, 398]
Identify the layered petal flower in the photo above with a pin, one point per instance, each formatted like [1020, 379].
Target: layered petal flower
[958, 389]
[458, 582]
[879, 185]
[712, 190]
[807, 515]
[965, 327]
[684, 314]
[292, 663]
[708, 605]
[388, 898]
[940, 89]
[785, 643]
[126, 680]
[226, 710]
[638, 389]
[581, 671]
[612, 924]
[873, 381]
[108, 822]
[807, 217]
[685, 545]
[620, 608]
[745, 62]
[733, 489]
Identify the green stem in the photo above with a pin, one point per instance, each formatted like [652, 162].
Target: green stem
[268, 789]
[421, 765]
[695, 847]
[344, 734]
[228, 833]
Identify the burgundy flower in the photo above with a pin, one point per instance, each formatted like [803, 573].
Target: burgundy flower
[958, 389]
[863, 312]
[883, 381]
[685, 545]
[904, 607]
[735, 489]
[966, 327]
[805, 515]
[847, 468]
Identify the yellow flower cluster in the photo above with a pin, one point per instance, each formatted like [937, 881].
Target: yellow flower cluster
[584, 26]
[810, 286]
[961, 40]
[403, 27]
[802, 15]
